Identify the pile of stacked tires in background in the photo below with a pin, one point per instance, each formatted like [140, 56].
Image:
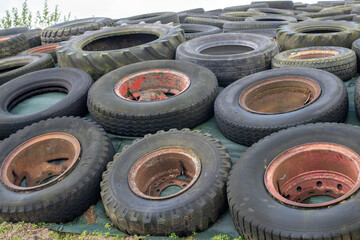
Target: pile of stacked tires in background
[281, 67]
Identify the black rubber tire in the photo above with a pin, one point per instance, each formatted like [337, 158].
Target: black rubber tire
[271, 32]
[163, 17]
[342, 65]
[197, 30]
[71, 196]
[248, 25]
[205, 21]
[130, 118]
[33, 37]
[343, 17]
[229, 67]
[72, 81]
[99, 62]
[193, 10]
[255, 212]
[292, 35]
[13, 45]
[273, 11]
[238, 16]
[42, 49]
[310, 8]
[63, 31]
[356, 48]
[12, 31]
[278, 4]
[191, 211]
[246, 128]
[241, 8]
[183, 16]
[357, 97]
[346, 9]
[322, 14]
[281, 20]
[13, 67]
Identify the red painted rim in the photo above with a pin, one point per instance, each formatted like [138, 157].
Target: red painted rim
[152, 85]
[314, 169]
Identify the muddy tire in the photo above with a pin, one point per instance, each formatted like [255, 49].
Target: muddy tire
[205, 21]
[63, 31]
[72, 81]
[243, 120]
[337, 60]
[163, 17]
[97, 53]
[247, 25]
[255, 210]
[317, 33]
[122, 107]
[197, 30]
[253, 55]
[192, 210]
[71, 194]
[13, 67]
[12, 44]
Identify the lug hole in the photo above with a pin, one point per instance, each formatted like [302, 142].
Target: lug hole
[319, 183]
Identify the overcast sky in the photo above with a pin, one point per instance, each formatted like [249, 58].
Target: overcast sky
[119, 9]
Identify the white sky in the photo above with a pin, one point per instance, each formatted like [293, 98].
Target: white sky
[118, 9]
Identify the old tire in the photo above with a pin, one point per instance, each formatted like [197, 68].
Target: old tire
[163, 17]
[337, 60]
[317, 33]
[33, 37]
[74, 192]
[252, 54]
[197, 30]
[357, 98]
[192, 210]
[272, 11]
[48, 48]
[12, 44]
[63, 31]
[356, 48]
[238, 16]
[14, 30]
[97, 52]
[205, 21]
[13, 67]
[245, 120]
[111, 105]
[259, 215]
[72, 81]
[277, 4]
[241, 8]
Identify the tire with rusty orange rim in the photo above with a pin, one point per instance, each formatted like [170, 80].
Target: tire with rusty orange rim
[299, 183]
[337, 60]
[169, 182]
[51, 170]
[150, 96]
[266, 102]
[48, 48]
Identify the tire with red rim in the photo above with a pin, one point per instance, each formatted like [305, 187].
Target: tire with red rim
[266, 102]
[156, 95]
[169, 182]
[51, 170]
[299, 183]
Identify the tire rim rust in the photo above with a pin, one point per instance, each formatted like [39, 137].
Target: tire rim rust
[314, 169]
[152, 85]
[310, 54]
[279, 95]
[162, 168]
[35, 161]
[4, 39]
[43, 49]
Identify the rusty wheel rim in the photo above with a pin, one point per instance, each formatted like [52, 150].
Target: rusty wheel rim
[279, 95]
[315, 169]
[42, 49]
[152, 85]
[162, 168]
[4, 39]
[310, 54]
[37, 161]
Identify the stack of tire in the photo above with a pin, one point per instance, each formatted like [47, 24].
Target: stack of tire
[281, 68]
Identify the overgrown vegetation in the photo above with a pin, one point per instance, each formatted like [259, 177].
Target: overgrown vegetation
[41, 19]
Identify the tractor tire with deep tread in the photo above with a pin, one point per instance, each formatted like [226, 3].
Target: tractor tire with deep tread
[96, 53]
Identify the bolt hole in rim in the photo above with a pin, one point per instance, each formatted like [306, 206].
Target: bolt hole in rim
[279, 95]
[163, 168]
[310, 54]
[314, 169]
[40, 161]
[152, 85]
